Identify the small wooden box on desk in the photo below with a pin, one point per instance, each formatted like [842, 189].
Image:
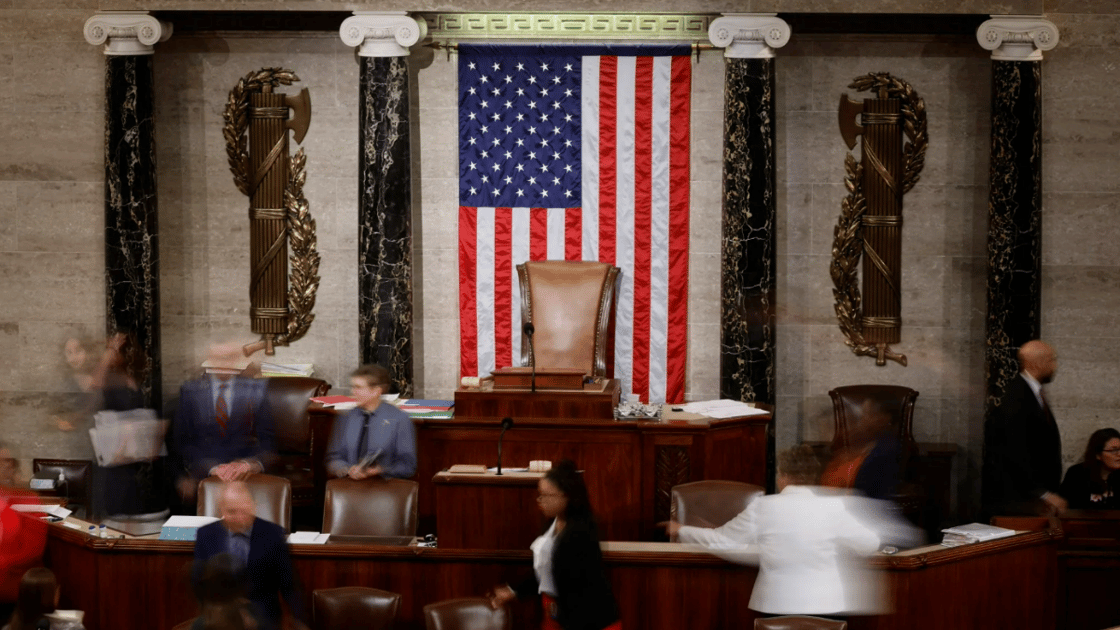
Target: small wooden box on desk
[487, 511]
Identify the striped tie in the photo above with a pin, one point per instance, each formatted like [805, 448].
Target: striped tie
[221, 411]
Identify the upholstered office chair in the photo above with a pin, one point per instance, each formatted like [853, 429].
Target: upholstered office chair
[288, 398]
[799, 622]
[712, 502]
[571, 307]
[354, 607]
[371, 507]
[467, 613]
[78, 475]
[273, 496]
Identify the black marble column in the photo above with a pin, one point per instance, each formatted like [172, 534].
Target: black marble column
[748, 260]
[385, 219]
[1015, 220]
[131, 228]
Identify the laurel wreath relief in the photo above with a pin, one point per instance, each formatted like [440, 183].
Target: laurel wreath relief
[303, 259]
[847, 244]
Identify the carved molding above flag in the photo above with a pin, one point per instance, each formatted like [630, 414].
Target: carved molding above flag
[568, 26]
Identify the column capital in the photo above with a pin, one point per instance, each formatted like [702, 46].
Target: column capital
[749, 35]
[382, 33]
[1017, 37]
[126, 32]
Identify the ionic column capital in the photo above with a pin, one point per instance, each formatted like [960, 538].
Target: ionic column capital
[125, 32]
[749, 35]
[382, 33]
[1017, 37]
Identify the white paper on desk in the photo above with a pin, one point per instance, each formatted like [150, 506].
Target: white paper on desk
[307, 538]
[53, 510]
[180, 520]
[723, 408]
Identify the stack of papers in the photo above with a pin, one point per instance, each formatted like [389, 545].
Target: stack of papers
[287, 369]
[307, 538]
[336, 402]
[973, 533]
[723, 408]
[421, 408]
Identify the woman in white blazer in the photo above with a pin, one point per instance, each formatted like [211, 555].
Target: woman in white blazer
[808, 542]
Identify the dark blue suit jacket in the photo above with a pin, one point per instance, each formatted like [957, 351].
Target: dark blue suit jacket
[250, 432]
[269, 571]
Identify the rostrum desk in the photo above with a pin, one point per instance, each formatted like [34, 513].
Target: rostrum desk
[140, 584]
[629, 466]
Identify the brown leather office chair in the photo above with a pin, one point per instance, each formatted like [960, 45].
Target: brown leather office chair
[571, 307]
[371, 507]
[799, 622]
[711, 503]
[467, 613]
[288, 398]
[78, 474]
[273, 496]
[354, 607]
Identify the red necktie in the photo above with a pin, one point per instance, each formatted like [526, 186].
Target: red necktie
[221, 411]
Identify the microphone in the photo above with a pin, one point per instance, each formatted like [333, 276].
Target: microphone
[529, 329]
[507, 422]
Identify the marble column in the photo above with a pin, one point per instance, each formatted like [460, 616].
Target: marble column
[1015, 192]
[748, 242]
[385, 326]
[131, 226]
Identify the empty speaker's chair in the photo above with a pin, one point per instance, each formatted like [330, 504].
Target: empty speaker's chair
[571, 306]
[799, 622]
[467, 613]
[77, 474]
[711, 503]
[349, 607]
[370, 507]
[273, 496]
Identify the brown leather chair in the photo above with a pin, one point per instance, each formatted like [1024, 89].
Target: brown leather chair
[288, 398]
[354, 607]
[712, 502]
[467, 613]
[78, 474]
[571, 307]
[371, 507]
[273, 496]
[799, 622]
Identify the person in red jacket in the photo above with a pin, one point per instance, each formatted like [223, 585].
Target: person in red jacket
[22, 538]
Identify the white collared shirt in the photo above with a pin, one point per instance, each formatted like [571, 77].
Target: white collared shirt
[1035, 386]
[542, 560]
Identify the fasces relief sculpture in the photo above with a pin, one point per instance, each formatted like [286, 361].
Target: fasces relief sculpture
[870, 224]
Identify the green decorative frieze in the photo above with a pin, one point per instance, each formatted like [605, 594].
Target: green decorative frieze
[568, 26]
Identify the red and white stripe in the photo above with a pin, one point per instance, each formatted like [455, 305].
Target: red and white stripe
[634, 214]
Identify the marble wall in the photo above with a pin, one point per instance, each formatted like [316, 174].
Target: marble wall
[51, 219]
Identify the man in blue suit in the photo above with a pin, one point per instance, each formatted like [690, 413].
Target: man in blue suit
[257, 546]
[223, 427]
[374, 439]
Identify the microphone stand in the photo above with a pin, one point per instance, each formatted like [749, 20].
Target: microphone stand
[506, 424]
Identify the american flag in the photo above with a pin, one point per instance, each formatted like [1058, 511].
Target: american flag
[576, 153]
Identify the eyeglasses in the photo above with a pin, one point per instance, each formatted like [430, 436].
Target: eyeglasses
[1111, 451]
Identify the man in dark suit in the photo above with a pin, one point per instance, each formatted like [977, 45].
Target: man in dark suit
[223, 427]
[257, 546]
[1022, 446]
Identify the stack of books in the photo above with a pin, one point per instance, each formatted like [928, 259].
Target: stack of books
[287, 369]
[436, 409]
[973, 533]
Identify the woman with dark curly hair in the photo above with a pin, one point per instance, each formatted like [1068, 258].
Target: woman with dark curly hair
[567, 561]
[1094, 484]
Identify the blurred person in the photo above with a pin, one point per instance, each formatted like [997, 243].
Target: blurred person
[568, 568]
[808, 542]
[78, 363]
[223, 603]
[259, 549]
[76, 353]
[374, 439]
[870, 461]
[1022, 463]
[223, 427]
[133, 489]
[1094, 483]
[22, 538]
[38, 597]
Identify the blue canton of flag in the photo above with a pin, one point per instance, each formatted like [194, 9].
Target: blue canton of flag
[519, 131]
